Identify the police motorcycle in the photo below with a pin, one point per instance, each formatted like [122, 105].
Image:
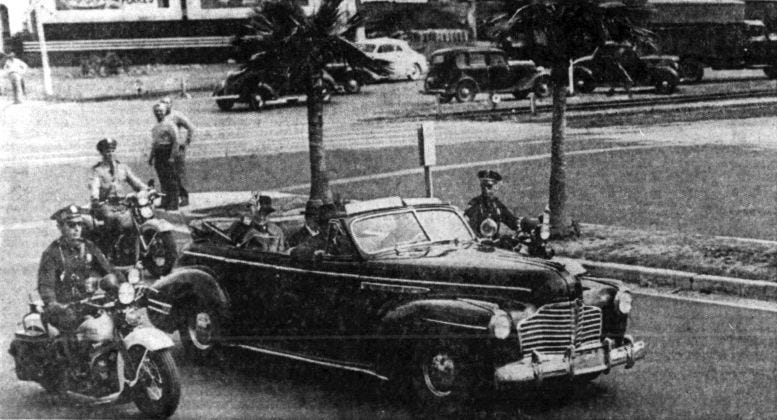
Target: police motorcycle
[142, 237]
[530, 239]
[113, 357]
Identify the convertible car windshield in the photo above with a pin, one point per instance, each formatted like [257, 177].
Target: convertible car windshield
[395, 230]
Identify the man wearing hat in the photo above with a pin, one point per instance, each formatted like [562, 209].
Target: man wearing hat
[181, 122]
[65, 267]
[485, 212]
[108, 177]
[311, 227]
[256, 232]
[164, 152]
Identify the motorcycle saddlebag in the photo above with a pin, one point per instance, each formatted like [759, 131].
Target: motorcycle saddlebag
[29, 350]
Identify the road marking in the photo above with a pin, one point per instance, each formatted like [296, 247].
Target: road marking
[752, 305]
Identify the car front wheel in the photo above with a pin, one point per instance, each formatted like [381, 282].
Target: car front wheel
[225, 104]
[441, 378]
[466, 91]
[665, 84]
[255, 101]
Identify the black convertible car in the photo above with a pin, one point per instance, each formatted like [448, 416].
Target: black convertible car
[405, 292]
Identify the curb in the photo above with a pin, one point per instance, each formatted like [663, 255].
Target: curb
[683, 280]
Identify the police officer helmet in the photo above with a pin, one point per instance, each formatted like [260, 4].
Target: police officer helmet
[68, 214]
[106, 144]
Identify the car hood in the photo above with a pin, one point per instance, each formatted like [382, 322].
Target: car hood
[479, 265]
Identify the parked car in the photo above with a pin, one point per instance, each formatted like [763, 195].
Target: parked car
[462, 72]
[261, 87]
[661, 71]
[350, 79]
[406, 63]
[401, 290]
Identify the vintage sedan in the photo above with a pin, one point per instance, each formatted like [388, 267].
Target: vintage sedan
[463, 72]
[401, 290]
[405, 63]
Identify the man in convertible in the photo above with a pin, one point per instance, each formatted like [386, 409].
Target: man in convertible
[256, 232]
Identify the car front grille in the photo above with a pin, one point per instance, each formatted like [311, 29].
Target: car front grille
[554, 327]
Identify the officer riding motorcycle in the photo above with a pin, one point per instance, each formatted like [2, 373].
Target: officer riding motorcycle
[486, 214]
[124, 226]
[83, 340]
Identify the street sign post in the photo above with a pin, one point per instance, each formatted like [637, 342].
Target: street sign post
[427, 154]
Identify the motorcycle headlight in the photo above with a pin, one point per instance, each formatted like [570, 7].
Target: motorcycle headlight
[500, 325]
[133, 276]
[142, 201]
[623, 302]
[146, 212]
[126, 293]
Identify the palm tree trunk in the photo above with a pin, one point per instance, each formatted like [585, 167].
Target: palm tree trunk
[557, 201]
[319, 178]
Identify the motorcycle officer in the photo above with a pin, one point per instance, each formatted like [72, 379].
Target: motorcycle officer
[65, 267]
[486, 213]
[106, 185]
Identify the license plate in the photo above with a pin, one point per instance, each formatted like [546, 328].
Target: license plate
[589, 361]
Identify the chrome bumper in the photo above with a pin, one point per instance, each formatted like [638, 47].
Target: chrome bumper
[575, 362]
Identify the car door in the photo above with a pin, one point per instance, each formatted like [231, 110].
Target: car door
[478, 68]
[387, 52]
[500, 76]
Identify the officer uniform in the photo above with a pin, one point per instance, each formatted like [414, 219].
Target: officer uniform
[484, 207]
[266, 236]
[164, 151]
[64, 267]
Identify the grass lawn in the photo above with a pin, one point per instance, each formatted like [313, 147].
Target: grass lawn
[666, 205]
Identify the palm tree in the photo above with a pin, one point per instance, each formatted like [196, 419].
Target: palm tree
[300, 45]
[556, 32]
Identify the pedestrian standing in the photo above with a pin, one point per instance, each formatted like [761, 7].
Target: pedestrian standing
[164, 151]
[15, 69]
[182, 123]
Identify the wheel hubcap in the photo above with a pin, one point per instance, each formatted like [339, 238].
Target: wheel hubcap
[201, 333]
[440, 375]
[152, 380]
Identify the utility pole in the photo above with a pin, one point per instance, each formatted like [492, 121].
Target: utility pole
[360, 35]
[44, 54]
[2, 37]
[472, 19]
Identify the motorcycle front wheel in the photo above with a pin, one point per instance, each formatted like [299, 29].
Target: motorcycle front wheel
[158, 390]
[162, 252]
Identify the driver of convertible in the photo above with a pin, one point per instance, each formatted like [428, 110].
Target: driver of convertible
[65, 267]
[487, 207]
[105, 187]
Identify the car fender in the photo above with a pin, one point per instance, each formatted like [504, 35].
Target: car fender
[528, 83]
[185, 286]
[413, 322]
[152, 339]
[582, 70]
[160, 225]
[266, 90]
[664, 70]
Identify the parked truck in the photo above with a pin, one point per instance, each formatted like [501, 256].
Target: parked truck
[739, 45]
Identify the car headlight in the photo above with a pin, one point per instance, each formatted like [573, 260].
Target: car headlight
[500, 325]
[133, 275]
[126, 293]
[623, 302]
[146, 212]
[142, 201]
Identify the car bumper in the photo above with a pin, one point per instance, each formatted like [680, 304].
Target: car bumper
[576, 362]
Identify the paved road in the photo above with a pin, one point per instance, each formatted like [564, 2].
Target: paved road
[705, 362]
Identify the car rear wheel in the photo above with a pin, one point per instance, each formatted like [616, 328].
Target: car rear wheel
[691, 70]
[466, 91]
[584, 83]
[665, 84]
[542, 87]
[415, 72]
[225, 104]
[256, 101]
[352, 85]
[199, 332]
